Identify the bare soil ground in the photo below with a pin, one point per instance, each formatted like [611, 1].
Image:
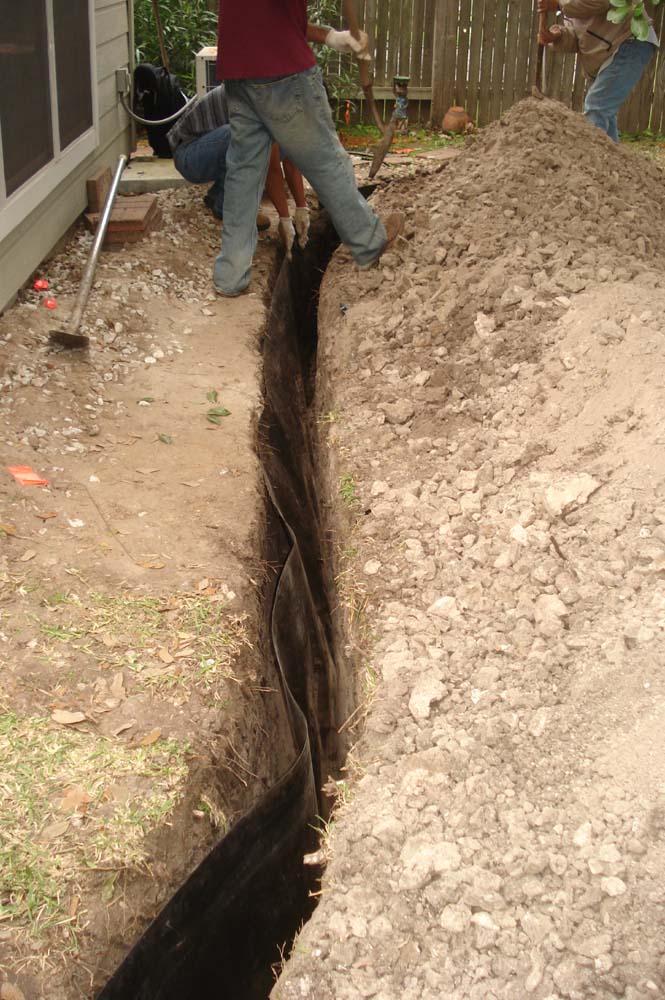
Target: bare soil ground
[493, 400]
[131, 676]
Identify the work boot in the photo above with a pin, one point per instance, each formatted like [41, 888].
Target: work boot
[394, 227]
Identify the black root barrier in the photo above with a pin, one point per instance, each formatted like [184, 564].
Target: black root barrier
[227, 927]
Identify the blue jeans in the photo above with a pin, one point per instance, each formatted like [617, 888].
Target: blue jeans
[294, 112]
[613, 85]
[204, 159]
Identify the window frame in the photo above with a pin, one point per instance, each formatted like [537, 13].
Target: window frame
[15, 208]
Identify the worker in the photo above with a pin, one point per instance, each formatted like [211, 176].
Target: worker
[612, 58]
[275, 92]
[199, 142]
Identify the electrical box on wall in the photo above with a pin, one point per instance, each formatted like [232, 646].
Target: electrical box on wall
[206, 62]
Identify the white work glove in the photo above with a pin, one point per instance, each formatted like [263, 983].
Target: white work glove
[287, 235]
[344, 42]
[302, 226]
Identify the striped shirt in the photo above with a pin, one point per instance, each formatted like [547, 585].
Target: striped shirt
[208, 113]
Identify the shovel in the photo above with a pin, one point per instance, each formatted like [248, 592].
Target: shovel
[366, 82]
[70, 337]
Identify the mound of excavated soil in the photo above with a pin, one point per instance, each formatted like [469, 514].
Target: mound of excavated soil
[494, 392]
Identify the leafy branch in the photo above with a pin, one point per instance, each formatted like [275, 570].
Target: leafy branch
[639, 25]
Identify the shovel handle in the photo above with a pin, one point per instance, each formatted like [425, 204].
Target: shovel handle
[364, 71]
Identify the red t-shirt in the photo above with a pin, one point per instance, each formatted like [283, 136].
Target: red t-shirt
[262, 38]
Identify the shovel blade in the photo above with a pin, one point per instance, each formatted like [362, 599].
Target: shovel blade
[382, 148]
[74, 341]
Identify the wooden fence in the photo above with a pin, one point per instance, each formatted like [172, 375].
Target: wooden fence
[481, 54]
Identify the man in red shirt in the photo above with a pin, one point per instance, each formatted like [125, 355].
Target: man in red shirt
[275, 94]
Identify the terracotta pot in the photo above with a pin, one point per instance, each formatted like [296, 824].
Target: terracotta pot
[455, 120]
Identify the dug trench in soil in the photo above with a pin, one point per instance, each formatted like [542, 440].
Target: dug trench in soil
[228, 927]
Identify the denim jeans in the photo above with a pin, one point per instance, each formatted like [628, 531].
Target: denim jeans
[204, 159]
[294, 112]
[613, 85]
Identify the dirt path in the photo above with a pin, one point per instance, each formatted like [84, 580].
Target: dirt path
[493, 399]
[128, 597]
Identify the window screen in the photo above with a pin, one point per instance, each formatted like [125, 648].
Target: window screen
[72, 62]
[25, 99]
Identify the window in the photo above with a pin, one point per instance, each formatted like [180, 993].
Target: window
[47, 107]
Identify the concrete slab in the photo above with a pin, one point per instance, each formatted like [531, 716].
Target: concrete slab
[149, 173]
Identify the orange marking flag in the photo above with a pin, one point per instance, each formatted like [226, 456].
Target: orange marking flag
[26, 476]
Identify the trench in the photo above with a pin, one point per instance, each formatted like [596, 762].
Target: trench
[233, 921]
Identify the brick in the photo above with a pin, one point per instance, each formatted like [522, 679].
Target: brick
[131, 218]
[98, 187]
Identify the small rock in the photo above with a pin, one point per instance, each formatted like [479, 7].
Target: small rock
[574, 491]
[613, 886]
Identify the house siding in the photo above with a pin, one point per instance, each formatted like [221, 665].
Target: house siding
[23, 250]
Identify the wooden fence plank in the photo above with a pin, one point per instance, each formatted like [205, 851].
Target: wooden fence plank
[394, 28]
[417, 42]
[427, 73]
[405, 38]
[567, 77]
[381, 36]
[485, 86]
[498, 60]
[521, 85]
[475, 48]
[510, 58]
[450, 53]
[462, 62]
[656, 123]
[579, 87]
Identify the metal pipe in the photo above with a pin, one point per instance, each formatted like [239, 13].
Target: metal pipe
[86, 282]
[161, 121]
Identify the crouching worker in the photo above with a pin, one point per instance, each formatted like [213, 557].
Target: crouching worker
[200, 140]
[611, 57]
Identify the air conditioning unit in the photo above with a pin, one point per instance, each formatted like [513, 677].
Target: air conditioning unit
[206, 62]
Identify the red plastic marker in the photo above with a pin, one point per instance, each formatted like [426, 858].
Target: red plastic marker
[26, 476]
[50, 303]
[40, 285]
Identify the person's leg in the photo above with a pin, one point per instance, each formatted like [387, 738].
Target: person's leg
[275, 184]
[613, 85]
[246, 169]
[295, 182]
[204, 160]
[296, 111]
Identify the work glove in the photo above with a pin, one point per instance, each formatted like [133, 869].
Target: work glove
[344, 42]
[287, 235]
[302, 226]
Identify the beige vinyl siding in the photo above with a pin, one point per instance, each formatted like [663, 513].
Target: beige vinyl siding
[23, 250]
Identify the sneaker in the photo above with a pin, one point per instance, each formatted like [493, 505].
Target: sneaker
[394, 226]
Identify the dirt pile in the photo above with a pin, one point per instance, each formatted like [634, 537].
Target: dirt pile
[493, 393]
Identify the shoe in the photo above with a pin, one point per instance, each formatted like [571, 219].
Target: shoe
[394, 227]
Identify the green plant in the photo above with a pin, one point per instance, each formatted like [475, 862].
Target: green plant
[348, 489]
[188, 26]
[620, 10]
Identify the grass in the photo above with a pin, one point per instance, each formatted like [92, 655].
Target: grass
[188, 638]
[61, 814]
[361, 138]
[348, 490]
